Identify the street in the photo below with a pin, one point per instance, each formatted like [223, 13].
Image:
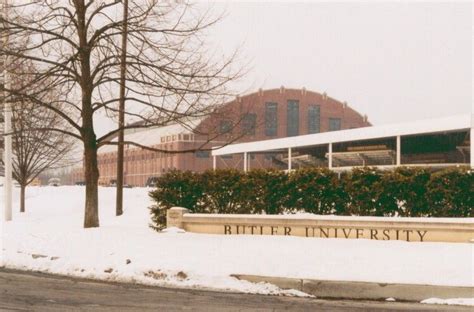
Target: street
[24, 291]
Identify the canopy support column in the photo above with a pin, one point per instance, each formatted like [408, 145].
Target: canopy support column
[399, 150]
[471, 139]
[330, 156]
[245, 162]
[289, 159]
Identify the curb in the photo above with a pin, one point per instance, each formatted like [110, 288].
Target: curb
[363, 290]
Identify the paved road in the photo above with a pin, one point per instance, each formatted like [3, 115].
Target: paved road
[20, 291]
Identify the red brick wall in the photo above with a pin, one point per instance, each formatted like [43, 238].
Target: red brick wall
[255, 103]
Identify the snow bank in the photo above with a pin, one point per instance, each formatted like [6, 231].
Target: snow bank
[49, 237]
[454, 301]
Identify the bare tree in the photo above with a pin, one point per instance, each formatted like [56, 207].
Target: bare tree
[36, 146]
[35, 149]
[170, 78]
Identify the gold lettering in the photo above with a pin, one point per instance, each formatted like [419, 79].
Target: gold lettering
[373, 234]
[252, 227]
[321, 233]
[346, 235]
[326, 232]
[422, 235]
[408, 234]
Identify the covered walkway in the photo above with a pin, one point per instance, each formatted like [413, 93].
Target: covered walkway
[435, 142]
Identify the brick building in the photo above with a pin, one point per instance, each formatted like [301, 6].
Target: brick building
[266, 114]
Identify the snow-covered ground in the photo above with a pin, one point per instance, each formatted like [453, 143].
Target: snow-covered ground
[49, 237]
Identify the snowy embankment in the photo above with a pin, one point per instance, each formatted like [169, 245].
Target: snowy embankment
[49, 237]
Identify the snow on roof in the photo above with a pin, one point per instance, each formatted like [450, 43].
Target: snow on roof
[445, 124]
[152, 136]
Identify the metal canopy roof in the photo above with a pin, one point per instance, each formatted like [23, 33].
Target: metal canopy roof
[439, 125]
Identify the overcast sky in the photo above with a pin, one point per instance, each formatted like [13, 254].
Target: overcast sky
[394, 62]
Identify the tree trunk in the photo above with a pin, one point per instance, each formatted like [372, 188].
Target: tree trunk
[91, 175]
[91, 171]
[22, 198]
[119, 179]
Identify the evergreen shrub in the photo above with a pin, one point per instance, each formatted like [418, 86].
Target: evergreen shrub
[227, 191]
[408, 192]
[313, 190]
[363, 187]
[451, 193]
[404, 192]
[175, 189]
[270, 191]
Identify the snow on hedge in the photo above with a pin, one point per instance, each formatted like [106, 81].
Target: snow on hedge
[49, 237]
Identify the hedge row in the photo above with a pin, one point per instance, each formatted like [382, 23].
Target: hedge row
[411, 192]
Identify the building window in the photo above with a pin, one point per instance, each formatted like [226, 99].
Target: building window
[293, 118]
[249, 122]
[225, 126]
[202, 154]
[229, 156]
[334, 124]
[271, 119]
[314, 117]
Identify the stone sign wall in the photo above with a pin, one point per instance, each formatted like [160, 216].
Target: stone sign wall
[376, 228]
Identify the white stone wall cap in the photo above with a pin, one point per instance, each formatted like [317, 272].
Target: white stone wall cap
[336, 218]
[179, 209]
